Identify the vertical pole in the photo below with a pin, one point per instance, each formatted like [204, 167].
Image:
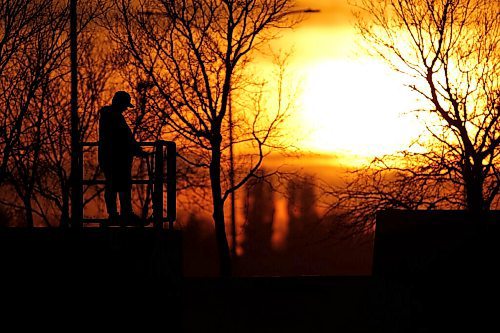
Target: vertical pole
[171, 184]
[158, 186]
[76, 163]
[231, 177]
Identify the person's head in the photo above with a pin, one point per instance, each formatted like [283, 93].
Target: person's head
[122, 101]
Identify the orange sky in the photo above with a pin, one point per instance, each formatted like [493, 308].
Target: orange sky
[349, 104]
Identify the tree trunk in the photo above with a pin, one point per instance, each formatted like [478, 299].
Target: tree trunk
[474, 183]
[29, 212]
[475, 198]
[218, 211]
[65, 209]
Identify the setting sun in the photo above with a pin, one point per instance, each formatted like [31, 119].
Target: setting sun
[357, 108]
[350, 104]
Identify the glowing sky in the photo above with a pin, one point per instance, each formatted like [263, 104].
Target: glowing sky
[350, 103]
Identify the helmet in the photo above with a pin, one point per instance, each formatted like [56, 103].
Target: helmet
[122, 98]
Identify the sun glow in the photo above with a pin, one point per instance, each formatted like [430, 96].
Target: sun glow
[356, 108]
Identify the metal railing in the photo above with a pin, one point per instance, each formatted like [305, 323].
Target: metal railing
[165, 163]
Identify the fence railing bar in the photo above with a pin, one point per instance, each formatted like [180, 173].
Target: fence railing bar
[105, 220]
[95, 144]
[89, 182]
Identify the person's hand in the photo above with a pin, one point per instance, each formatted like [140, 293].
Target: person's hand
[144, 153]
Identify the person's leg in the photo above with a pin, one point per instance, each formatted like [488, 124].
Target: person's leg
[126, 189]
[110, 199]
[126, 203]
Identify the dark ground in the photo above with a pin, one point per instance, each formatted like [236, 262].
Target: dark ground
[306, 304]
[337, 304]
[427, 279]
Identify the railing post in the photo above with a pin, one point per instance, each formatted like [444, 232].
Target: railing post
[171, 184]
[76, 149]
[158, 186]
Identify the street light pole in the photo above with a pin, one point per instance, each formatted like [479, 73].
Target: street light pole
[76, 163]
[231, 176]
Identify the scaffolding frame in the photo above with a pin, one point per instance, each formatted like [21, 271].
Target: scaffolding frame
[165, 163]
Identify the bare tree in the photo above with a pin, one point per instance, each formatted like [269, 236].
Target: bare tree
[34, 96]
[193, 52]
[389, 182]
[94, 73]
[20, 23]
[24, 91]
[450, 52]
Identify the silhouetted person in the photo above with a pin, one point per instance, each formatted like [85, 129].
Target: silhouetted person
[117, 148]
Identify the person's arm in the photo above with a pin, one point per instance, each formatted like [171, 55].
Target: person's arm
[134, 145]
[137, 149]
[105, 129]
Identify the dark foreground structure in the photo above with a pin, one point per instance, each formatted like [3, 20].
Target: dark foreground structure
[437, 271]
[90, 256]
[433, 272]
[91, 279]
